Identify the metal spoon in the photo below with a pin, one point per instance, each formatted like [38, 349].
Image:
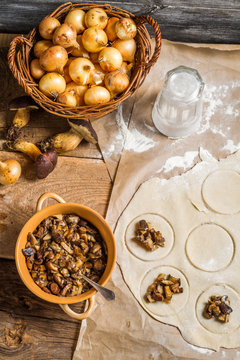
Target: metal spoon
[106, 293]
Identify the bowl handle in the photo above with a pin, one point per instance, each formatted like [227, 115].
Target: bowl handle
[73, 314]
[46, 196]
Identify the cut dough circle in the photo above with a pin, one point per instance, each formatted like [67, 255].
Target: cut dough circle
[178, 301]
[210, 247]
[214, 325]
[159, 224]
[221, 191]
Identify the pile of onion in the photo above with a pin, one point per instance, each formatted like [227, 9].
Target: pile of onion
[87, 59]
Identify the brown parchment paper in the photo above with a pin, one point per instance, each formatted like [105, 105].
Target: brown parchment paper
[111, 135]
[122, 330]
[147, 152]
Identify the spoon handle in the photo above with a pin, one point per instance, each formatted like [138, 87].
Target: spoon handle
[106, 293]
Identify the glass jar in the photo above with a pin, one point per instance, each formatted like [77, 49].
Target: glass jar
[178, 107]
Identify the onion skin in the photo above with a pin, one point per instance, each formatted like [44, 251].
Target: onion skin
[80, 71]
[47, 27]
[67, 98]
[94, 39]
[35, 69]
[96, 95]
[127, 49]
[41, 46]
[127, 68]
[126, 29]
[116, 82]
[66, 70]
[94, 58]
[82, 52]
[76, 18]
[110, 59]
[78, 91]
[65, 36]
[97, 77]
[52, 84]
[96, 17]
[10, 171]
[54, 59]
[110, 29]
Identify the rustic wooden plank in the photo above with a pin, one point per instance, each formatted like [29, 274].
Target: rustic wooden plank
[83, 181]
[42, 124]
[190, 21]
[31, 328]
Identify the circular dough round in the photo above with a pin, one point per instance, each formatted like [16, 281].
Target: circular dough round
[210, 247]
[178, 301]
[212, 324]
[221, 191]
[159, 224]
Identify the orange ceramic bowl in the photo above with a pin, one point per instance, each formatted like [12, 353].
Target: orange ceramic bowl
[64, 208]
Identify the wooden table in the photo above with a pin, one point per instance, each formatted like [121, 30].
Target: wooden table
[31, 328]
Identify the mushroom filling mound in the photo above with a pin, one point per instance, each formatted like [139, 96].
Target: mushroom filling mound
[148, 237]
[61, 249]
[218, 307]
[163, 288]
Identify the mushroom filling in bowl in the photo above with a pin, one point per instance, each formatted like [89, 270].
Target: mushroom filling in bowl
[60, 250]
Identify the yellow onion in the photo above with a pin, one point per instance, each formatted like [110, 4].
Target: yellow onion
[96, 17]
[67, 98]
[116, 82]
[110, 29]
[126, 29]
[65, 36]
[80, 70]
[76, 18]
[78, 90]
[41, 46]
[110, 59]
[35, 69]
[52, 84]
[10, 171]
[96, 95]
[94, 39]
[66, 75]
[82, 52]
[97, 76]
[54, 59]
[127, 48]
[94, 57]
[47, 27]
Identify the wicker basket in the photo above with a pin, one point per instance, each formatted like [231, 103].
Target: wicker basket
[20, 55]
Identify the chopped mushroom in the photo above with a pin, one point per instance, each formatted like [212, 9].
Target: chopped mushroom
[218, 307]
[163, 289]
[60, 250]
[148, 237]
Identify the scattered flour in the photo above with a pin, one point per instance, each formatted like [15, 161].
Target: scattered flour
[202, 350]
[231, 147]
[184, 162]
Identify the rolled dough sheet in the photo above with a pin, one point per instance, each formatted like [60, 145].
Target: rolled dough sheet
[202, 247]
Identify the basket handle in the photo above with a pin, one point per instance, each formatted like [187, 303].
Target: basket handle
[18, 40]
[158, 37]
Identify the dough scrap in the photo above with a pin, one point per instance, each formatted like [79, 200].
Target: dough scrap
[180, 202]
